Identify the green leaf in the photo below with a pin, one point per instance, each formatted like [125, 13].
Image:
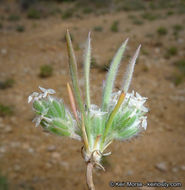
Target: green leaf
[128, 122]
[96, 125]
[38, 106]
[129, 71]
[111, 118]
[59, 107]
[52, 113]
[59, 131]
[57, 127]
[112, 75]
[87, 61]
[127, 133]
[59, 123]
[74, 72]
[120, 121]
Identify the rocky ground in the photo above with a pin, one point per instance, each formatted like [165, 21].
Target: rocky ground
[32, 159]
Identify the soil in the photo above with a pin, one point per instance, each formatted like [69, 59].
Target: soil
[33, 159]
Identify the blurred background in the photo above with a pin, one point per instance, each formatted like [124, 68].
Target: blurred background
[33, 53]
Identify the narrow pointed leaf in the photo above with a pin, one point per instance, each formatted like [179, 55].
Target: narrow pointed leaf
[129, 72]
[87, 61]
[111, 75]
[74, 72]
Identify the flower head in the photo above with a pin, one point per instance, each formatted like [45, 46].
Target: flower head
[121, 115]
[37, 96]
[96, 111]
[46, 91]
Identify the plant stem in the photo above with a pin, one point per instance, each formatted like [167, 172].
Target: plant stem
[89, 176]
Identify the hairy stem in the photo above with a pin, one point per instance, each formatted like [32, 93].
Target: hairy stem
[89, 176]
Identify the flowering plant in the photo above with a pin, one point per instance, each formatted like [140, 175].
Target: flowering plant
[121, 115]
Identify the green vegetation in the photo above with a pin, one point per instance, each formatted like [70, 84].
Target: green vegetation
[144, 52]
[33, 14]
[114, 26]
[162, 4]
[14, 18]
[172, 51]
[118, 118]
[98, 28]
[177, 79]
[150, 16]
[67, 13]
[8, 83]
[181, 66]
[55, 11]
[149, 35]
[178, 28]
[87, 10]
[181, 7]
[1, 25]
[137, 22]
[5, 110]
[162, 31]
[145, 68]
[4, 185]
[169, 13]
[20, 28]
[133, 5]
[46, 71]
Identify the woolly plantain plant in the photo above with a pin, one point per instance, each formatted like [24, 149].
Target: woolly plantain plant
[121, 115]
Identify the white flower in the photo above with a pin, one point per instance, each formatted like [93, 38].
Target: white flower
[134, 101]
[32, 96]
[46, 91]
[139, 97]
[138, 101]
[144, 122]
[95, 110]
[36, 96]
